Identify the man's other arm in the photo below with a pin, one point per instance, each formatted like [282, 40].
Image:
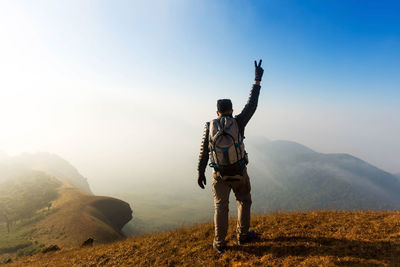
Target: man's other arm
[203, 157]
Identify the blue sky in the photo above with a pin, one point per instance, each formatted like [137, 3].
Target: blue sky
[331, 77]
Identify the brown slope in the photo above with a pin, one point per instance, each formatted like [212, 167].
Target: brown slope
[78, 215]
[322, 238]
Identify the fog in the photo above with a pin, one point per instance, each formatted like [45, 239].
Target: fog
[132, 137]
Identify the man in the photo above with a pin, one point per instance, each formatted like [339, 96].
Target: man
[229, 162]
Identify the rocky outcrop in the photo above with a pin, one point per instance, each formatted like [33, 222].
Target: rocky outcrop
[115, 212]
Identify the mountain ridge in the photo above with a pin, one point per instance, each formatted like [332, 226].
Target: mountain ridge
[291, 173]
[52, 164]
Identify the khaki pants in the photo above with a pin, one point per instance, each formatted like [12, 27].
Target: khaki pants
[221, 190]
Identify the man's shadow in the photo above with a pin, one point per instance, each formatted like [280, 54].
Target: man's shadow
[284, 246]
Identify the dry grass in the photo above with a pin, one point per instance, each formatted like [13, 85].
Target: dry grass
[75, 219]
[320, 238]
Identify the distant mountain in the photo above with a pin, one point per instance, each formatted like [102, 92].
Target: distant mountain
[49, 163]
[290, 176]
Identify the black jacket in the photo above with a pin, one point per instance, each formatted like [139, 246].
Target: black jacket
[242, 119]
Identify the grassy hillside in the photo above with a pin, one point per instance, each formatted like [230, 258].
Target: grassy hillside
[38, 210]
[79, 216]
[24, 200]
[320, 238]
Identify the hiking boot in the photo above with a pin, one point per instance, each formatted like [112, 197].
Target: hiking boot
[219, 248]
[251, 235]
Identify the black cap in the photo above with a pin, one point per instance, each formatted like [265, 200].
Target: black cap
[224, 105]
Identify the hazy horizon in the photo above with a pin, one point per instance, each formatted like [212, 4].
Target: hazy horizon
[122, 89]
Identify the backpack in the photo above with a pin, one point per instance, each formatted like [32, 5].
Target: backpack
[227, 153]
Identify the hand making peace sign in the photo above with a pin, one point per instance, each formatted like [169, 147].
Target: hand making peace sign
[259, 71]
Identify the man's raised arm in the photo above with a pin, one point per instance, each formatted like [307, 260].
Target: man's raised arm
[251, 105]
